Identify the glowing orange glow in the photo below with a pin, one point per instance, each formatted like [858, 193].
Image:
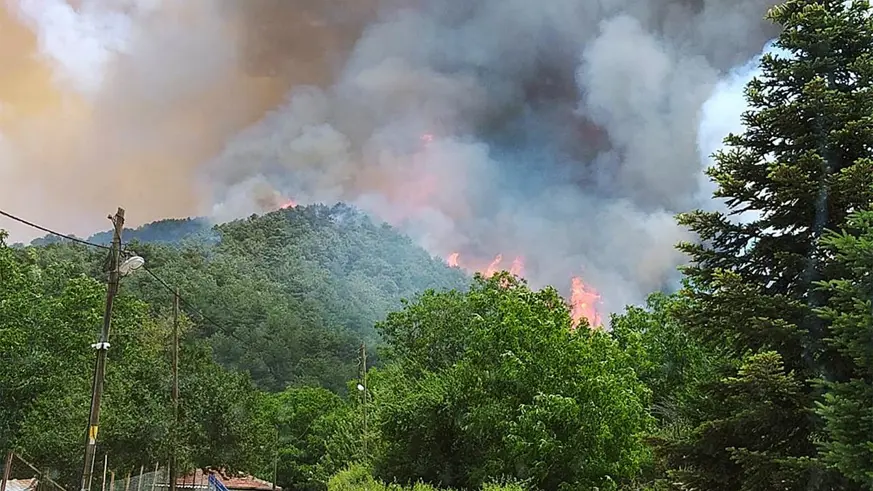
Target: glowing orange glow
[494, 266]
[288, 204]
[491, 268]
[453, 260]
[517, 267]
[583, 302]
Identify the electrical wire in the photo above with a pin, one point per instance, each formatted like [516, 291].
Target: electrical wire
[52, 232]
[196, 311]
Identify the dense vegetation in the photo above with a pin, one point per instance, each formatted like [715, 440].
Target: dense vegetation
[756, 375]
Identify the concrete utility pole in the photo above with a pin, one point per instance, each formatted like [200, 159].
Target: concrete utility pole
[102, 347]
[175, 388]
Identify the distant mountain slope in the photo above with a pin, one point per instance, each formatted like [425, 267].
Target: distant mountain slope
[290, 294]
[170, 231]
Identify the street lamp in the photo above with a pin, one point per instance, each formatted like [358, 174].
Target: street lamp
[130, 265]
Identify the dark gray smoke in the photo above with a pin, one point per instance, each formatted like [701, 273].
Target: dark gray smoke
[562, 131]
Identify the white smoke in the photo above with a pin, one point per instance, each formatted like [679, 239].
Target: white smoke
[81, 42]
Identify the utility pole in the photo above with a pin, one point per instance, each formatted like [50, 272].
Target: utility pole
[7, 470]
[175, 389]
[276, 459]
[102, 347]
[364, 385]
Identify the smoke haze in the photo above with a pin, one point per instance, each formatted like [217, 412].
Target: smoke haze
[568, 132]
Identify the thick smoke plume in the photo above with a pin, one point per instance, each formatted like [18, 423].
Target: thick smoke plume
[562, 131]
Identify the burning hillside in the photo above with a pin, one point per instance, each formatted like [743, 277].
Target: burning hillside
[564, 132]
[583, 300]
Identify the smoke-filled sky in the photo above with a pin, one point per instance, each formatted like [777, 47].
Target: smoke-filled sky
[567, 132]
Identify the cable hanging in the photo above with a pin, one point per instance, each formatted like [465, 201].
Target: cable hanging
[191, 307]
[52, 232]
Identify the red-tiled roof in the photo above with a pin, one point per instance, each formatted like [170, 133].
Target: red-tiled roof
[240, 482]
[248, 483]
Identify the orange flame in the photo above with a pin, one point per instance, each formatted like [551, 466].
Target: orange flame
[582, 304]
[288, 204]
[494, 266]
[583, 299]
[453, 259]
[517, 267]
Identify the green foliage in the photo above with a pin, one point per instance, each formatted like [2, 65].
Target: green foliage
[359, 478]
[665, 356]
[290, 294]
[800, 167]
[307, 420]
[495, 383]
[847, 408]
[674, 365]
[49, 319]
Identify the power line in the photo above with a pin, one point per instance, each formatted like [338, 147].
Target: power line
[163, 283]
[52, 232]
[191, 307]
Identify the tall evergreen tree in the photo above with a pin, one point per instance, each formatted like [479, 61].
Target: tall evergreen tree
[801, 166]
[847, 408]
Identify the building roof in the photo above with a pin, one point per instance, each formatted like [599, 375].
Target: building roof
[240, 482]
[248, 483]
[21, 484]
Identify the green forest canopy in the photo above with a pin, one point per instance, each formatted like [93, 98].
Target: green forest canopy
[288, 297]
[756, 375]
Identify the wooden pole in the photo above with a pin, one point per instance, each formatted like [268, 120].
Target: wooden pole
[364, 384]
[139, 481]
[173, 445]
[276, 459]
[155, 476]
[111, 480]
[127, 482]
[7, 471]
[102, 347]
[105, 465]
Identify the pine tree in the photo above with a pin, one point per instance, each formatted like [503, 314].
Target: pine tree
[847, 408]
[800, 167]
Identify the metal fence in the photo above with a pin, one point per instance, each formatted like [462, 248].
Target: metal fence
[21, 475]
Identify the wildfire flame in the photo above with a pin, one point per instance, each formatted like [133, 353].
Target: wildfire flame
[494, 266]
[288, 204]
[517, 267]
[453, 259]
[583, 298]
[583, 304]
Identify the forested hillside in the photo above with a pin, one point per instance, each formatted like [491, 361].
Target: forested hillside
[756, 375]
[288, 297]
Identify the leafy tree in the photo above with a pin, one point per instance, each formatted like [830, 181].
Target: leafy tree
[289, 295]
[301, 414]
[847, 408]
[495, 383]
[665, 356]
[673, 364]
[48, 320]
[801, 166]
[359, 478]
